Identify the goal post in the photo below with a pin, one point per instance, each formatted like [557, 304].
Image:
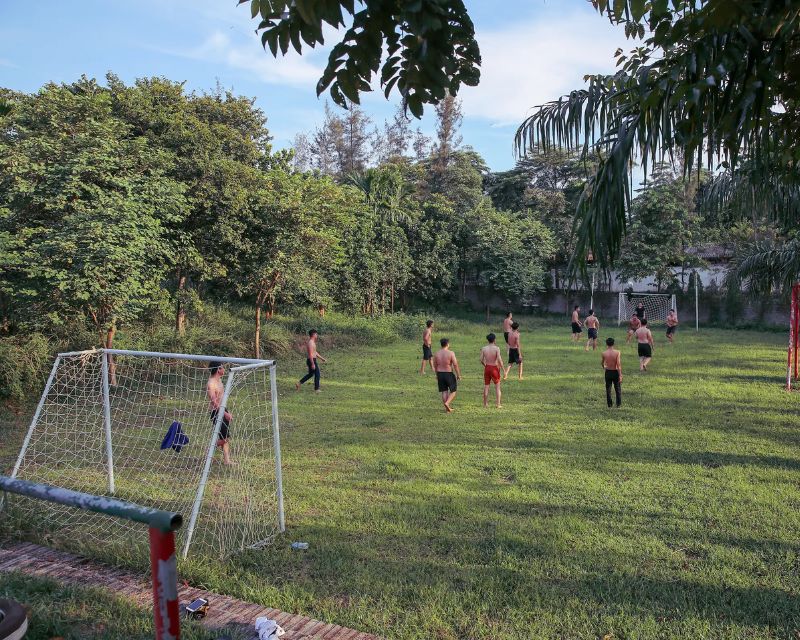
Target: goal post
[656, 305]
[138, 426]
[793, 358]
[162, 526]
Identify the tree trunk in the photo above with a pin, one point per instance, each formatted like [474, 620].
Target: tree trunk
[109, 344]
[392, 297]
[257, 340]
[321, 310]
[180, 310]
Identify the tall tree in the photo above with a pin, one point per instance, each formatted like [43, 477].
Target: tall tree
[448, 136]
[87, 204]
[397, 137]
[218, 141]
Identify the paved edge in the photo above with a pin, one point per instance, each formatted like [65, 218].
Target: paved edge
[226, 614]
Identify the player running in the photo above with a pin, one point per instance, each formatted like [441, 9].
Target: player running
[492, 363]
[427, 353]
[633, 325]
[672, 325]
[592, 325]
[443, 363]
[612, 363]
[311, 361]
[645, 344]
[576, 324]
[507, 325]
[514, 351]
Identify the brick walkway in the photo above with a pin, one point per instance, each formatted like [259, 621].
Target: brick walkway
[226, 615]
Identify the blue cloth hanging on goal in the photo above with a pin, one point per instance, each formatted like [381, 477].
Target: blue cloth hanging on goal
[175, 438]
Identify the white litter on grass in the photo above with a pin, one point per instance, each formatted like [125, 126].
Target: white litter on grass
[268, 629]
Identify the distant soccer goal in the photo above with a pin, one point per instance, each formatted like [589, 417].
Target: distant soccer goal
[138, 426]
[656, 306]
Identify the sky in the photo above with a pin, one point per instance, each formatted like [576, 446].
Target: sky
[533, 51]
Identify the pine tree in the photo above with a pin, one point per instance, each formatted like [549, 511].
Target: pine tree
[397, 137]
[448, 123]
[303, 159]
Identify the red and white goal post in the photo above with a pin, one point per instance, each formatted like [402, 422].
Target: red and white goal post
[793, 359]
[162, 525]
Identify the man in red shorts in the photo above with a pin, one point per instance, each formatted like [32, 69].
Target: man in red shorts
[492, 363]
[633, 326]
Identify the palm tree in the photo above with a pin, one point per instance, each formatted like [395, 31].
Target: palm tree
[715, 81]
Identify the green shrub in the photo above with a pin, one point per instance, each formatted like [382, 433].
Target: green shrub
[24, 363]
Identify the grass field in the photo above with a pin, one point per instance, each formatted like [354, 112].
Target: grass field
[675, 516]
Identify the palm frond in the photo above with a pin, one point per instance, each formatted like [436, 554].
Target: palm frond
[769, 265]
[703, 86]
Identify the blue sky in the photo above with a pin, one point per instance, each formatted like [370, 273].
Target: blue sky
[533, 51]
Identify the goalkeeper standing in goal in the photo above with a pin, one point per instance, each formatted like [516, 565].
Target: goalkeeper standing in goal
[215, 391]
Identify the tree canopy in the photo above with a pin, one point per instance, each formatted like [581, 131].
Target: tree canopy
[713, 81]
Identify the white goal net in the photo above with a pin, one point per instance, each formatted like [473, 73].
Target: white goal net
[138, 426]
[656, 306]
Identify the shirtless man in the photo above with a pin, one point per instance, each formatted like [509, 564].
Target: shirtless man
[507, 326]
[444, 361]
[576, 324]
[311, 361]
[645, 344]
[672, 324]
[592, 324]
[612, 363]
[514, 350]
[215, 391]
[492, 363]
[427, 353]
[633, 325]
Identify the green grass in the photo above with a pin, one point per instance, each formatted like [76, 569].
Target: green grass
[69, 613]
[555, 517]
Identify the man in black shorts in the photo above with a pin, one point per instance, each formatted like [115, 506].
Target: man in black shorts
[215, 391]
[592, 325]
[514, 351]
[509, 320]
[443, 363]
[644, 341]
[672, 324]
[427, 353]
[576, 324]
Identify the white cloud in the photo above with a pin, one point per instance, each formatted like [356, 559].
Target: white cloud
[539, 60]
[249, 56]
[4, 62]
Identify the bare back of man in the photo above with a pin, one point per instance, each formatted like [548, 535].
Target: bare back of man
[592, 324]
[612, 364]
[444, 362]
[492, 363]
[644, 341]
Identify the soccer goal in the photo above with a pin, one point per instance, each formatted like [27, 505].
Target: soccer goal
[656, 306]
[138, 426]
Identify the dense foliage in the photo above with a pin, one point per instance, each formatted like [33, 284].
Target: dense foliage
[120, 203]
